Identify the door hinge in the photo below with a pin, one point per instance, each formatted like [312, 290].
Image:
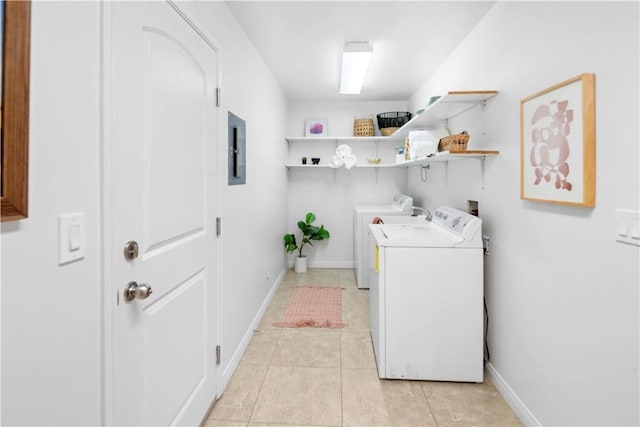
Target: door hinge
[217, 355]
[218, 226]
[218, 97]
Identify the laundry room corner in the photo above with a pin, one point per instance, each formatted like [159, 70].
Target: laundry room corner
[332, 194]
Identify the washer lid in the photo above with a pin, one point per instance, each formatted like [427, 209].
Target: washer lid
[421, 235]
[401, 203]
[379, 209]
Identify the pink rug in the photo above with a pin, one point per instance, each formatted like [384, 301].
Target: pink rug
[313, 307]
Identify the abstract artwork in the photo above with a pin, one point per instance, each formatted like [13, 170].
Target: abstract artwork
[557, 144]
[315, 127]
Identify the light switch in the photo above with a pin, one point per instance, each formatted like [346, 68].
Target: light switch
[71, 236]
[621, 226]
[74, 237]
[628, 226]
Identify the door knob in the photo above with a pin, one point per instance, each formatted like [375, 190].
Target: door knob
[134, 291]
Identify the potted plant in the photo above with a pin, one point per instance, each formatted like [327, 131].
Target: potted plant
[309, 232]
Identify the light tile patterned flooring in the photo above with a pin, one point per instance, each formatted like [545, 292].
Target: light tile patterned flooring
[328, 377]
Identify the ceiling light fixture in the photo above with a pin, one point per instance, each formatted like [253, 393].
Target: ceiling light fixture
[355, 60]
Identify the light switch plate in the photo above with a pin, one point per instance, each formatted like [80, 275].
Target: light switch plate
[628, 226]
[71, 237]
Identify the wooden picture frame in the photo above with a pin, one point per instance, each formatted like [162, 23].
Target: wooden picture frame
[16, 30]
[558, 144]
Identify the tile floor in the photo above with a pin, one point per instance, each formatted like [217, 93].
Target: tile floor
[328, 377]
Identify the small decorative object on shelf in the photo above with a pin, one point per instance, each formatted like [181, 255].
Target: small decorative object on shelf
[363, 127]
[315, 127]
[343, 157]
[433, 99]
[390, 122]
[315, 160]
[454, 143]
[400, 154]
[304, 160]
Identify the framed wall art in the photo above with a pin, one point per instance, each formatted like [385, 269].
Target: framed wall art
[315, 127]
[557, 144]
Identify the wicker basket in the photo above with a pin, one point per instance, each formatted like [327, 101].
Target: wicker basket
[363, 127]
[388, 131]
[454, 143]
[393, 119]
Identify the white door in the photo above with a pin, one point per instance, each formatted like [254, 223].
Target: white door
[161, 80]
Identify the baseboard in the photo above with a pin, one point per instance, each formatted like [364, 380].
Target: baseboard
[237, 355]
[510, 396]
[326, 264]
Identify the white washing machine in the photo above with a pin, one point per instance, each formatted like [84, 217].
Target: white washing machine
[426, 298]
[402, 205]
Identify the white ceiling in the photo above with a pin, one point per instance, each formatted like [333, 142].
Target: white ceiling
[301, 42]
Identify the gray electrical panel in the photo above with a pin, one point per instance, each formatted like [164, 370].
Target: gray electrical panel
[237, 150]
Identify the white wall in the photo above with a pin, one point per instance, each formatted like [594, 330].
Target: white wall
[330, 194]
[562, 294]
[51, 314]
[253, 215]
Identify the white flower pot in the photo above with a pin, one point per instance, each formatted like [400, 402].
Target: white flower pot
[300, 264]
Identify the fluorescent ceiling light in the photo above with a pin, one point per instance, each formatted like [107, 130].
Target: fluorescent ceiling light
[355, 60]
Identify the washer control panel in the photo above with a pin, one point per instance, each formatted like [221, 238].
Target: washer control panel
[455, 220]
[403, 202]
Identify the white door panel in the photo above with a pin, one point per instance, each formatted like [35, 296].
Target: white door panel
[175, 334]
[175, 92]
[163, 196]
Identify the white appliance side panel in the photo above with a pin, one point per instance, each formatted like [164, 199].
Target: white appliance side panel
[361, 230]
[376, 306]
[434, 313]
[358, 248]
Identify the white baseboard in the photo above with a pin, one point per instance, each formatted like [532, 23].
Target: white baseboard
[510, 396]
[237, 355]
[332, 264]
[326, 264]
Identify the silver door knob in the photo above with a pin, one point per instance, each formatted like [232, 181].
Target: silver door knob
[134, 291]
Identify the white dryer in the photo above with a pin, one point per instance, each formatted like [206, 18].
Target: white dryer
[426, 298]
[402, 205]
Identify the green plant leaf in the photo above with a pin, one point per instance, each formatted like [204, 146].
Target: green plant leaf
[290, 243]
[310, 218]
[290, 248]
[322, 234]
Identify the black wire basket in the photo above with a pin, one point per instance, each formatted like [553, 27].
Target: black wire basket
[393, 119]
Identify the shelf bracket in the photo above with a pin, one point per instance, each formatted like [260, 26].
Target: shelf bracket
[446, 173]
[482, 160]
